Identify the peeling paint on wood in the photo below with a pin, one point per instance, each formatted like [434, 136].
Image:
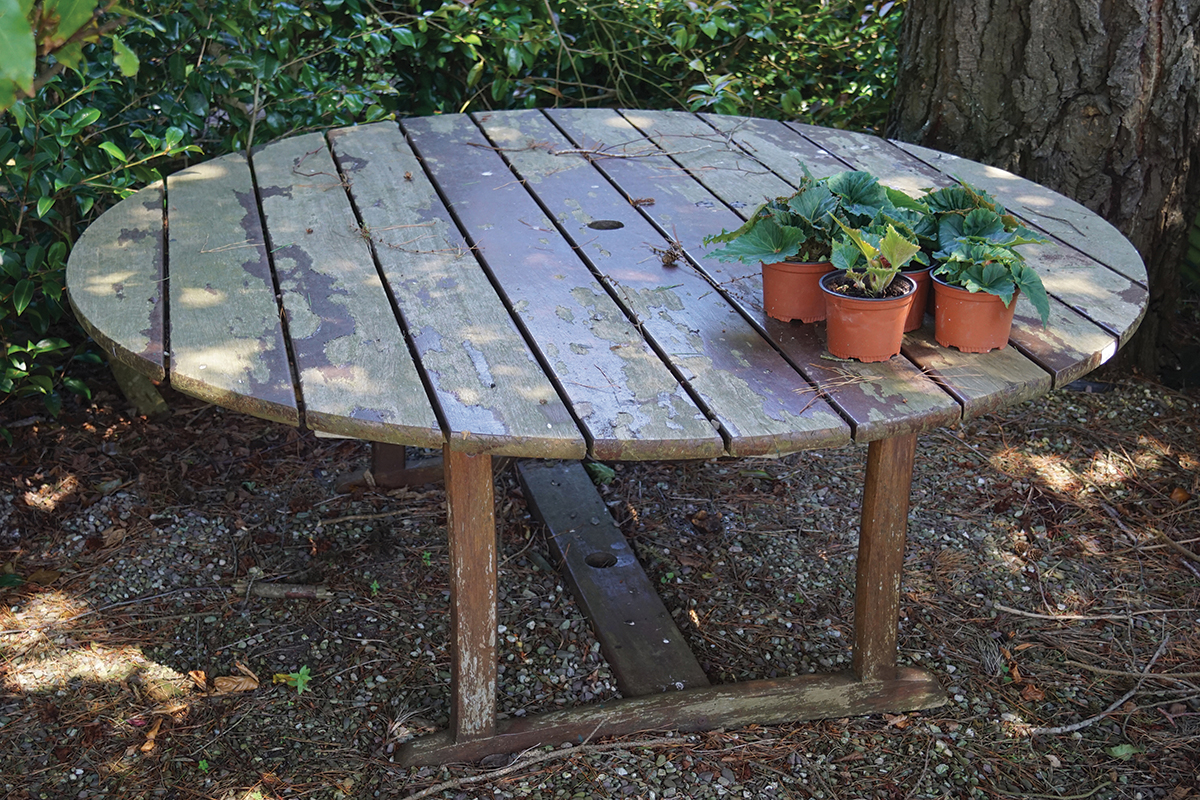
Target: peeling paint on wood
[114, 281]
[620, 390]
[614, 193]
[761, 402]
[879, 399]
[226, 338]
[357, 376]
[982, 382]
[494, 395]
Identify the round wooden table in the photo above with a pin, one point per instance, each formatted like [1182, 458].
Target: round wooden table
[532, 284]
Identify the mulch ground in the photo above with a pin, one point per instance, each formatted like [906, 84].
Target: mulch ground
[1052, 582]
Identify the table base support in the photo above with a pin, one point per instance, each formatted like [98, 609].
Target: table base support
[390, 469]
[638, 637]
[761, 702]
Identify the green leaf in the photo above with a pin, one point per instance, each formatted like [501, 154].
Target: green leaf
[44, 204]
[72, 15]
[1029, 282]
[114, 150]
[1123, 751]
[767, 241]
[814, 204]
[301, 679]
[901, 200]
[860, 192]
[896, 249]
[982, 222]
[42, 383]
[76, 386]
[69, 55]
[513, 58]
[17, 45]
[125, 59]
[8, 581]
[8, 94]
[599, 473]
[22, 294]
[52, 400]
[404, 37]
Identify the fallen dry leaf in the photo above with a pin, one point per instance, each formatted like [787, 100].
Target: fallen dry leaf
[896, 721]
[1032, 694]
[199, 678]
[114, 536]
[44, 577]
[227, 684]
[148, 745]
[1180, 495]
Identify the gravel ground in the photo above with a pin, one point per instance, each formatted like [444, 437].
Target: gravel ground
[1038, 586]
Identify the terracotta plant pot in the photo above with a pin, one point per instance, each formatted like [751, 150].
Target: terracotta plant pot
[920, 304]
[974, 322]
[865, 329]
[791, 290]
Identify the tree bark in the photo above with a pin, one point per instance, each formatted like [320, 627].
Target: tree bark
[1096, 99]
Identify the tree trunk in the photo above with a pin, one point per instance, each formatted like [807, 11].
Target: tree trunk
[1096, 99]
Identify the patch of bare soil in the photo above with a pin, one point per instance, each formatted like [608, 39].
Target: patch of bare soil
[1052, 582]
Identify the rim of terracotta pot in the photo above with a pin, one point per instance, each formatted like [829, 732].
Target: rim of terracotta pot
[912, 287]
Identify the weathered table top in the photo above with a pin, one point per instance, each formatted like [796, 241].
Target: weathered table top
[532, 283]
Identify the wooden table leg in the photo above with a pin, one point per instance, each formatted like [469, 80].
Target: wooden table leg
[472, 531]
[881, 556]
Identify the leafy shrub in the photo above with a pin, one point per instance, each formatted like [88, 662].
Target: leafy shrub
[108, 115]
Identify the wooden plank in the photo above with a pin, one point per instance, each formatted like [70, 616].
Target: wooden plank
[982, 382]
[493, 394]
[885, 399]
[777, 147]
[639, 639]
[625, 396]
[1054, 213]
[1068, 347]
[881, 556]
[227, 342]
[471, 524]
[1103, 295]
[739, 378]
[114, 281]
[356, 374]
[761, 702]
